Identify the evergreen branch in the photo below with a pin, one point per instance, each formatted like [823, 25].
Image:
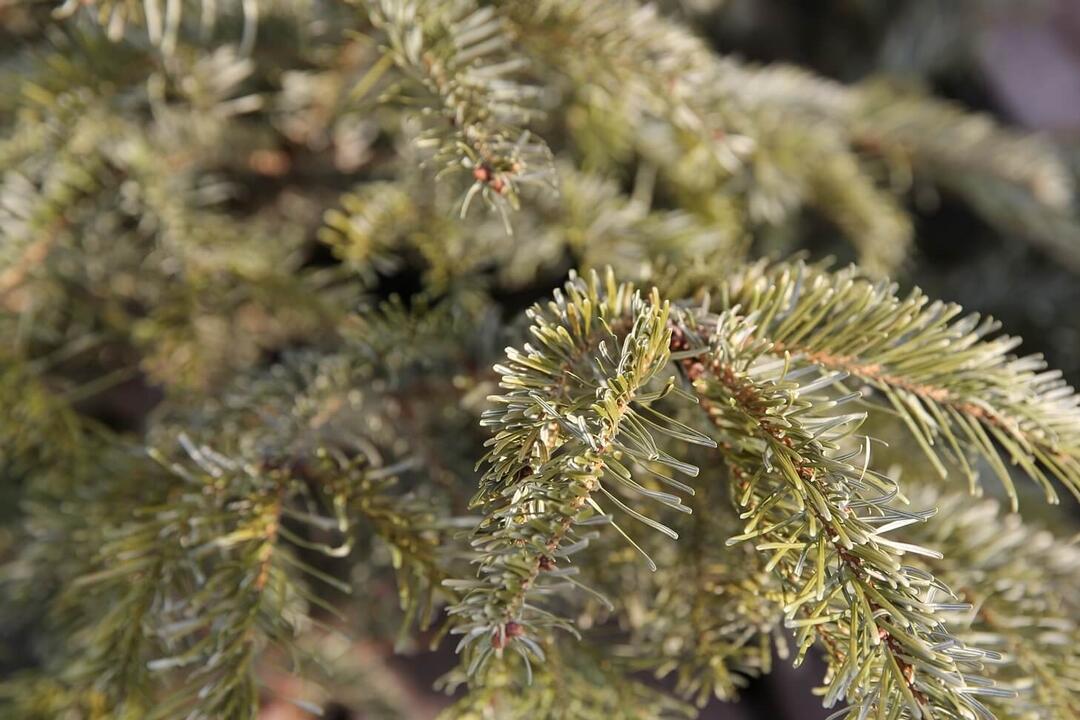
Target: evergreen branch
[457, 53]
[33, 214]
[44, 430]
[1015, 181]
[644, 67]
[777, 137]
[415, 535]
[306, 417]
[1021, 583]
[231, 593]
[574, 685]
[871, 218]
[380, 224]
[35, 697]
[132, 571]
[601, 226]
[102, 665]
[41, 79]
[963, 144]
[710, 613]
[363, 232]
[709, 122]
[954, 384]
[165, 22]
[568, 415]
[209, 579]
[821, 516]
[93, 200]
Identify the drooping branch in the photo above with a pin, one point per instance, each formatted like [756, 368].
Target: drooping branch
[812, 502]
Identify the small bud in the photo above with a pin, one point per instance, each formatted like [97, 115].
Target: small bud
[678, 339]
[510, 630]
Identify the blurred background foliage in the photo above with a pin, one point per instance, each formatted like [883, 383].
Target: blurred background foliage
[1015, 61]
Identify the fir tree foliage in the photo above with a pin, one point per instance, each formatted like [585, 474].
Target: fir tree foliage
[978, 401]
[577, 400]
[258, 260]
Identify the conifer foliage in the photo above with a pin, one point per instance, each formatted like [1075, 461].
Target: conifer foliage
[274, 402]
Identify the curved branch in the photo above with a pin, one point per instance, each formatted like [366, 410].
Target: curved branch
[821, 515]
[574, 412]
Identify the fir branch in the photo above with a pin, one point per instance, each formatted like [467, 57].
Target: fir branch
[364, 230]
[821, 514]
[709, 614]
[574, 685]
[217, 606]
[44, 429]
[644, 67]
[416, 535]
[379, 225]
[1021, 583]
[35, 697]
[458, 54]
[872, 218]
[954, 384]
[779, 137]
[35, 206]
[128, 577]
[707, 121]
[165, 21]
[159, 194]
[211, 577]
[1015, 181]
[604, 227]
[568, 413]
[306, 418]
